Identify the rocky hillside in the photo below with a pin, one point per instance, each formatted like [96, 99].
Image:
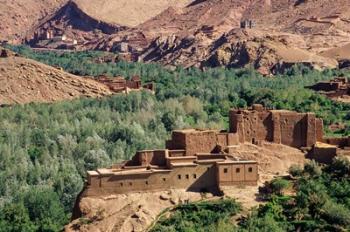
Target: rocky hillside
[278, 33]
[16, 16]
[24, 81]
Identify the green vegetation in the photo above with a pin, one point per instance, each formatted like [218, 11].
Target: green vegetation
[321, 203]
[45, 149]
[202, 216]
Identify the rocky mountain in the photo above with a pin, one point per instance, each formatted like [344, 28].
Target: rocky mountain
[266, 34]
[17, 16]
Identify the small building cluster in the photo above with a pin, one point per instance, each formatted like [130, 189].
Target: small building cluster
[58, 37]
[121, 85]
[338, 87]
[51, 35]
[248, 24]
[206, 160]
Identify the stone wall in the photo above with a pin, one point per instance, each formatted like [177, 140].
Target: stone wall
[201, 141]
[237, 173]
[202, 176]
[323, 153]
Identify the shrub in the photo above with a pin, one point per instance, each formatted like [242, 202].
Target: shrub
[295, 170]
[278, 185]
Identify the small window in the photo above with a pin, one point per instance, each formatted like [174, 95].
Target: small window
[121, 184]
[225, 170]
[194, 176]
[238, 170]
[179, 177]
[187, 176]
[146, 182]
[130, 184]
[164, 179]
[250, 169]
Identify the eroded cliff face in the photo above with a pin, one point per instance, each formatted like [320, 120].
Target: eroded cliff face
[266, 53]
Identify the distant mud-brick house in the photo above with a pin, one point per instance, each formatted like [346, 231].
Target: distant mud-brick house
[205, 160]
[338, 87]
[121, 85]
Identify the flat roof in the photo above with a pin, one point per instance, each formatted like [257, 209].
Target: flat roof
[206, 161]
[151, 150]
[189, 131]
[105, 171]
[183, 164]
[182, 158]
[92, 173]
[238, 162]
[324, 145]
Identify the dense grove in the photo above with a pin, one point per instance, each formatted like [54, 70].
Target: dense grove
[319, 201]
[45, 149]
[202, 216]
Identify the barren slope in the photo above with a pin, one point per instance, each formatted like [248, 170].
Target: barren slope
[23, 81]
[127, 12]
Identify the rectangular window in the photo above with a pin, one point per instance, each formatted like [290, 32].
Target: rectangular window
[179, 177]
[130, 184]
[194, 176]
[121, 184]
[187, 176]
[225, 170]
[146, 182]
[164, 179]
[250, 169]
[238, 170]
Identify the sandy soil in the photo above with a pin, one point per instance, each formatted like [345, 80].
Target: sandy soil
[127, 12]
[24, 81]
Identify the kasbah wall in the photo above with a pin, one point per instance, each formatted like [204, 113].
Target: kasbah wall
[204, 160]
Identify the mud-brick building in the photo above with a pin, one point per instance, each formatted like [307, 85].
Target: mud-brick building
[121, 85]
[326, 150]
[194, 160]
[338, 87]
[277, 126]
[205, 160]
